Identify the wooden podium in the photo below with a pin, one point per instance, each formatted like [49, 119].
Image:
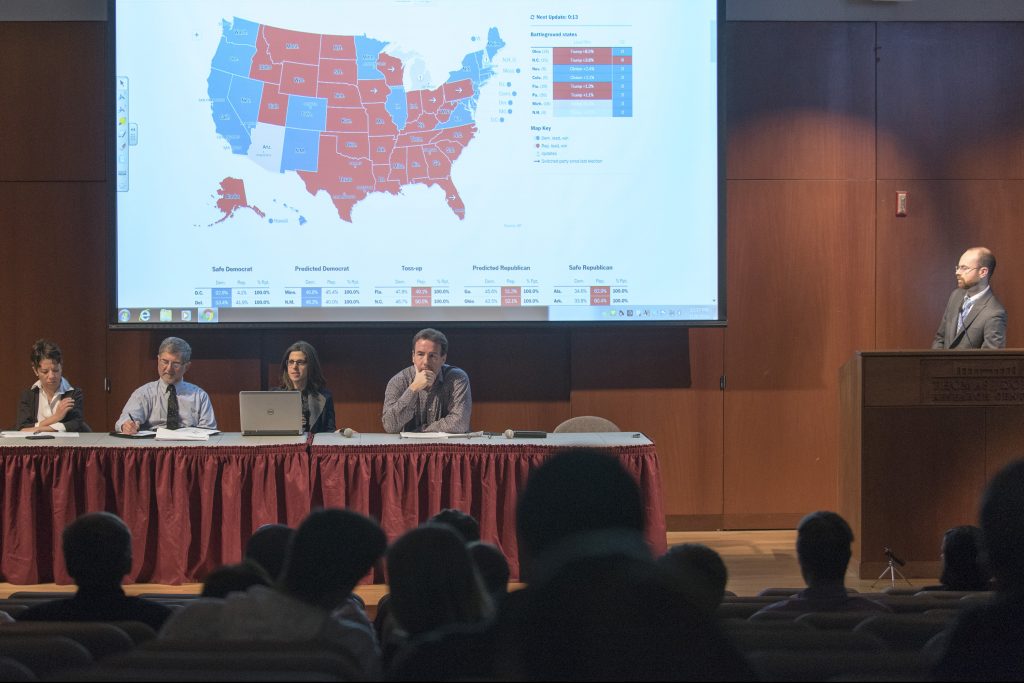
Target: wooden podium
[921, 433]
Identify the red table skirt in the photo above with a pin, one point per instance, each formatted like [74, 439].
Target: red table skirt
[193, 509]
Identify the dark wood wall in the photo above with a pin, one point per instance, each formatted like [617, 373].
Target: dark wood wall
[826, 121]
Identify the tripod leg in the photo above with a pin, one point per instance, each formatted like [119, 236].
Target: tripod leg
[902, 577]
[888, 570]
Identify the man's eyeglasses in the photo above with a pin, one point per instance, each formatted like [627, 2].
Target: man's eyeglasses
[964, 269]
[175, 364]
[297, 363]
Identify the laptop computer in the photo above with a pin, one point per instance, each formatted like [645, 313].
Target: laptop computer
[270, 413]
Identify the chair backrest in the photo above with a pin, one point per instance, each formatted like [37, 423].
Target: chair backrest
[903, 631]
[13, 670]
[586, 423]
[833, 621]
[136, 630]
[257, 657]
[803, 639]
[784, 665]
[99, 638]
[45, 656]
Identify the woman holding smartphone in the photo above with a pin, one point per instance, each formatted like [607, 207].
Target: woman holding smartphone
[51, 404]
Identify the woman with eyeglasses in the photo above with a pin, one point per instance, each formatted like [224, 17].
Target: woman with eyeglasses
[51, 404]
[300, 371]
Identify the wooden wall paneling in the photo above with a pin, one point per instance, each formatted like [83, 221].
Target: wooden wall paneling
[800, 99]
[951, 100]
[909, 500]
[53, 285]
[53, 124]
[801, 300]
[664, 383]
[1002, 442]
[917, 254]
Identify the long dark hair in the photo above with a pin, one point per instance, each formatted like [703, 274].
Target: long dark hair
[315, 381]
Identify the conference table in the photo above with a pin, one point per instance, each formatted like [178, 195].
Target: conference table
[192, 505]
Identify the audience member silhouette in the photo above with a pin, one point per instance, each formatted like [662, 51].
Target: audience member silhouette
[597, 606]
[700, 573]
[331, 551]
[493, 567]
[234, 578]
[434, 584]
[823, 550]
[607, 611]
[466, 524]
[268, 547]
[98, 553]
[963, 567]
[986, 643]
[573, 492]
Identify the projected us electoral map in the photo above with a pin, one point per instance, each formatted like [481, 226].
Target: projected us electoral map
[431, 160]
[334, 109]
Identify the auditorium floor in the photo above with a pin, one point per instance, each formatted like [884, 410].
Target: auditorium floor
[755, 559]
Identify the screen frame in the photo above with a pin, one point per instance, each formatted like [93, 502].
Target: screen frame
[112, 236]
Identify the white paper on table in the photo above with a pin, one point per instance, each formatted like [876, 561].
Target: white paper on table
[58, 435]
[184, 434]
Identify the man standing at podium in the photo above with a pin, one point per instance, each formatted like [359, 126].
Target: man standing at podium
[974, 318]
[428, 396]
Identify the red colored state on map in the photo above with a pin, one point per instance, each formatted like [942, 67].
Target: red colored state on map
[232, 198]
[290, 46]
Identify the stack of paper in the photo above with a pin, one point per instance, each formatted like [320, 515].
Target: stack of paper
[184, 434]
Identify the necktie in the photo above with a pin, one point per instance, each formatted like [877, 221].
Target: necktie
[964, 310]
[173, 418]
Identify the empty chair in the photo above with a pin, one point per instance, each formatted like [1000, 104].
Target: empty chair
[833, 621]
[737, 610]
[586, 423]
[266, 659]
[13, 670]
[780, 592]
[954, 595]
[802, 639]
[907, 604]
[783, 665]
[903, 631]
[41, 595]
[100, 639]
[139, 632]
[45, 656]
[776, 615]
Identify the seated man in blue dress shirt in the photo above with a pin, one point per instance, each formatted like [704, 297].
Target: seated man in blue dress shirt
[169, 401]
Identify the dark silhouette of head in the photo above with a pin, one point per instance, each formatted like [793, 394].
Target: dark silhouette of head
[700, 571]
[609, 612]
[97, 550]
[234, 578]
[268, 547]
[331, 551]
[963, 568]
[1002, 526]
[433, 581]
[466, 524]
[575, 491]
[823, 547]
[493, 567]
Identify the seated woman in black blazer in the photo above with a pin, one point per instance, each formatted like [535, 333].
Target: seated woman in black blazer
[51, 404]
[300, 371]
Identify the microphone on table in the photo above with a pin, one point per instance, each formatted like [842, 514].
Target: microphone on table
[524, 434]
[348, 432]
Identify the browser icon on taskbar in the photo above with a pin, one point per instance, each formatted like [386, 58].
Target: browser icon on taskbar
[208, 315]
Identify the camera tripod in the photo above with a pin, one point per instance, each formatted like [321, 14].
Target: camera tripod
[891, 570]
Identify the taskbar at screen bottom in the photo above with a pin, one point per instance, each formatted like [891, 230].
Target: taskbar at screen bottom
[156, 315]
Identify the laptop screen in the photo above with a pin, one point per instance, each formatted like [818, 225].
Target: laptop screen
[270, 412]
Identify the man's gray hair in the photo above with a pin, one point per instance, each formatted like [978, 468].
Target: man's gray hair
[177, 346]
